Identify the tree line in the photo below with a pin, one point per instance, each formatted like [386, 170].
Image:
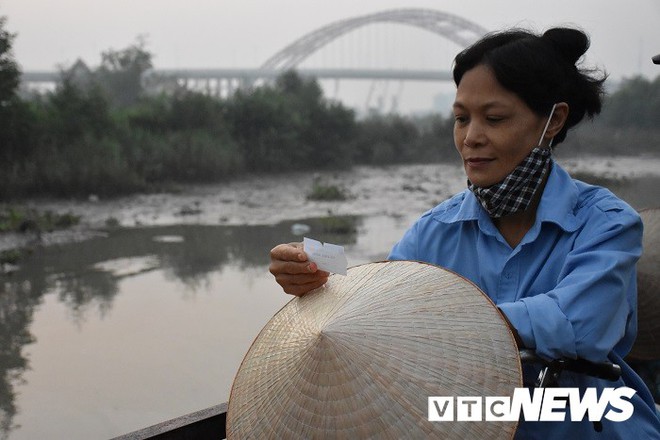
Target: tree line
[99, 132]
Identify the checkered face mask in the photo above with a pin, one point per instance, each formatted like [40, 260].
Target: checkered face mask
[516, 191]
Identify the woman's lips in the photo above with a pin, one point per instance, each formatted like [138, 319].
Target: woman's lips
[478, 162]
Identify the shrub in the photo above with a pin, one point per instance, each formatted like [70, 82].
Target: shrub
[322, 192]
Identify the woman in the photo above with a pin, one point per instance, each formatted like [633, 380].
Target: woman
[556, 255]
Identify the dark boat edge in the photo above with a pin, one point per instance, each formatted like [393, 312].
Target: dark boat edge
[209, 423]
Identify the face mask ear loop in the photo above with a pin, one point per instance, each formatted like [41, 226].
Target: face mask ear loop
[547, 124]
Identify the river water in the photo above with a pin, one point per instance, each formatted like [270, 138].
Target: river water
[112, 329]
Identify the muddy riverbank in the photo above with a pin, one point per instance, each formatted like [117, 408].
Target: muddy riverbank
[399, 191]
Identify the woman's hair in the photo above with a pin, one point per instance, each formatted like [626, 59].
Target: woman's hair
[540, 69]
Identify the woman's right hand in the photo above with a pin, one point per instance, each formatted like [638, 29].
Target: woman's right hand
[293, 270]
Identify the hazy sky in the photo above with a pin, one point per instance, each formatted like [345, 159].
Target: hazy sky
[244, 33]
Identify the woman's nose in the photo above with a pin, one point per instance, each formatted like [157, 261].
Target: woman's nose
[473, 135]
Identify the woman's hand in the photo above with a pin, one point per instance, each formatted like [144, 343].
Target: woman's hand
[293, 271]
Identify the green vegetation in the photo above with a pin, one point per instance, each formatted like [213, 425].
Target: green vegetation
[21, 219]
[636, 104]
[10, 256]
[99, 132]
[334, 224]
[393, 139]
[112, 223]
[327, 193]
[9, 71]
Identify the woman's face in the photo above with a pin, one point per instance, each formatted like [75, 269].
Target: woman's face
[493, 129]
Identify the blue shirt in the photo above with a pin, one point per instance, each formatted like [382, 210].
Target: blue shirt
[569, 287]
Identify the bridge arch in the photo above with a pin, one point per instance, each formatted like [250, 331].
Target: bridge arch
[452, 27]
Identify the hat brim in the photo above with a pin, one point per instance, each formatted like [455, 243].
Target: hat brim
[359, 358]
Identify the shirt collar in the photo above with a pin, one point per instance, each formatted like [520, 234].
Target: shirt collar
[559, 200]
[557, 205]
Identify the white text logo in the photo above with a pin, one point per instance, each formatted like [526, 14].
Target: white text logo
[544, 405]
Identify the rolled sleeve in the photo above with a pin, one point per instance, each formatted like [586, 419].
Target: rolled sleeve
[593, 304]
[549, 324]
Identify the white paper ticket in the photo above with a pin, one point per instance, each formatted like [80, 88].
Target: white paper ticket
[328, 257]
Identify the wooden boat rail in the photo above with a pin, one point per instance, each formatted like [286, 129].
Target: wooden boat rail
[209, 423]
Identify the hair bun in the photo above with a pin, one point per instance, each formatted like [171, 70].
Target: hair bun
[571, 43]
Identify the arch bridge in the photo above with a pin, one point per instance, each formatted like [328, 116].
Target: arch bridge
[452, 27]
[223, 82]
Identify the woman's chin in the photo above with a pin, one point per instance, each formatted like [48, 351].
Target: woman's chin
[482, 181]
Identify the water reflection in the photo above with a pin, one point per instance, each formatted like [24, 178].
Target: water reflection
[17, 306]
[86, 276]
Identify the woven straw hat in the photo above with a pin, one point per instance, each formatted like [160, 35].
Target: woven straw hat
[359, 357]
[647, 344]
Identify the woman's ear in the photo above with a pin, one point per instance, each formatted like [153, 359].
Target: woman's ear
[558, 120]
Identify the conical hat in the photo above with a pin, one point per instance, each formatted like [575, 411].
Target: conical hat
[359, 357]
[647, 344]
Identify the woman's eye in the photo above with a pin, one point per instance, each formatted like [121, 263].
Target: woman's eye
[494, 118]
[460, 119]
